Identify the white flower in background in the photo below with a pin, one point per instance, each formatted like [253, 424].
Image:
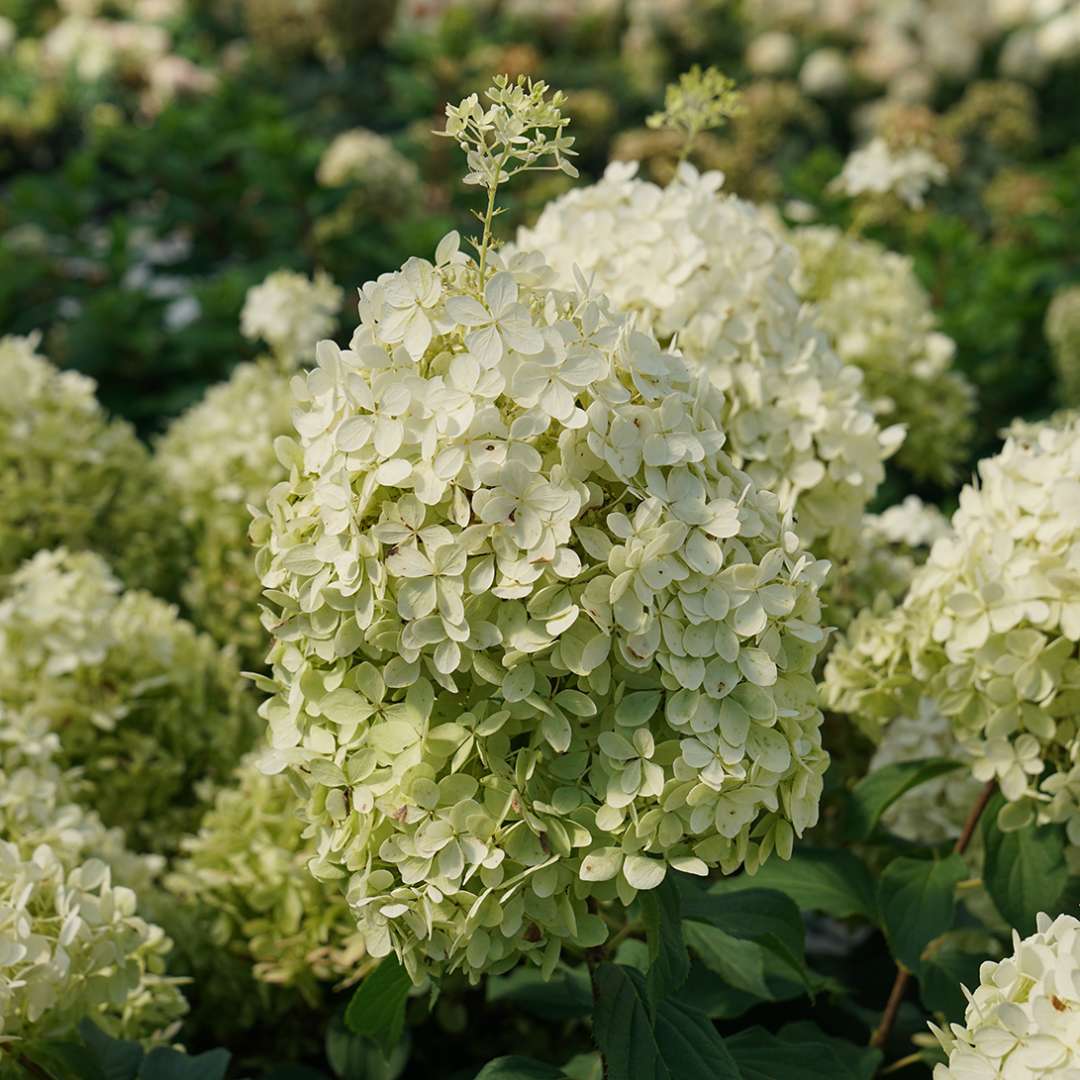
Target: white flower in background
[772, 53]
[537, 637]
[825, 73]
[878, 317]
[150, 711]
[989, 630]
[706, 269]
[1023, 1019]
[217, 459]
[72, 945]
[8, 33]
[291, 312]
[364, 158]
[875, 169]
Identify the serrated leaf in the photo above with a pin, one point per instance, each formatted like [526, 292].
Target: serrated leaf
[519, 1068]
[917, 899]
[377, 1009]
[740, 963]
[765, 916]
[800, 1052]
[1024, 870]
[874, 794]
[675, 1044]
[817, 879]
[356, 1057]
[943, 972]
[669, 963]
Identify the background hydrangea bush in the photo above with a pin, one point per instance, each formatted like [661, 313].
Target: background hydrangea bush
[662, 622]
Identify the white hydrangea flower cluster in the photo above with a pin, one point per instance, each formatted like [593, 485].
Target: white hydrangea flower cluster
[71, 476]
[291, 312]
[366, 159]
[536, 637]
[72, 945]
[148, 709]
[989, 631]
[876, 169]
[708, 270]
[1021, 1021]
[936, 810]
[245, 879]
[878, 317]
[876, 575]
[217, 460]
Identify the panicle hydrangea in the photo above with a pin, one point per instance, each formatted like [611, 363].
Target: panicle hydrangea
[536, 637]
[72, 945]
[245, 879]
[934, 811]
[369, 160]
[706, 269]
[877, 573]
[875, 169]
[291, 312]
[71, 476]
[1063, 333]
[1023, 1019]
[147, 708]
[989, 631]
[217, 459]
[878, 317]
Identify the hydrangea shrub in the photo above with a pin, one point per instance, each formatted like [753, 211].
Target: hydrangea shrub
[151, 712]
[73, 477]
[72, 944]
[989, 630]
[537, 638]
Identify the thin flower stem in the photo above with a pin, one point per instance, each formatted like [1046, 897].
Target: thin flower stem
[903, 976]
[489, 217]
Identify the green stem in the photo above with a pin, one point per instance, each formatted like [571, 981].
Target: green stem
[489, 217]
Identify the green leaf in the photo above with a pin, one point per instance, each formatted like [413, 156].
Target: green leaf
[567, 995]
[817, 879]
[519, 1068]
[800, 1052]
[116, 1059]
[944, 970]
[669, 963]
[916, 900]
[356, 1057]
[763, 915]
[679, 1044]
[874, 794]
[1025, 870]
[740, 963]
[377, 1009]
[164, 1063]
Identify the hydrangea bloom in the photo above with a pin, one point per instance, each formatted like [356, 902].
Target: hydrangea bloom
[1021, 1019]
[707, 268]
[291, 312]
[244, 876]
[878, 317]
[363, 158]
[537, 637]
[71, 943]
[877, 170]
[217, 459]
[989, 631]
[71, 476]
[149, 710]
